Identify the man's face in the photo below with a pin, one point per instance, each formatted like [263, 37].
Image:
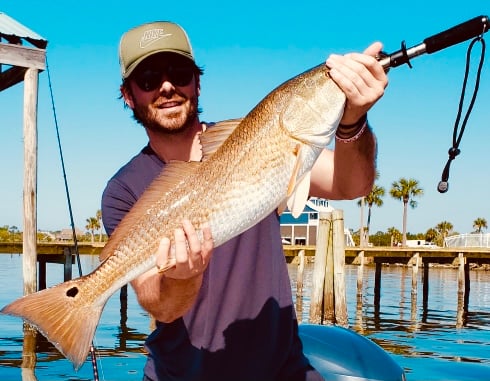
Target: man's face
[164, 93]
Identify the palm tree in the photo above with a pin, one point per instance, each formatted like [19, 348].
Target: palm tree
[406, 190]
[479, 224]
[432, 235]
[98, 216]
[394, 234]
[92, 225]
[444, 228]
[373, 198]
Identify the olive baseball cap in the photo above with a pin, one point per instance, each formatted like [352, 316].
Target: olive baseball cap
[151, 38]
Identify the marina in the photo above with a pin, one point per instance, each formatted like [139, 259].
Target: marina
[442, 335]
[425, 342]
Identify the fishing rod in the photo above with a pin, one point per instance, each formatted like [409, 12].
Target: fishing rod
[474, 28]
[72, 223]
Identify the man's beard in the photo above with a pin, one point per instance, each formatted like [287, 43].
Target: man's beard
[148, 117]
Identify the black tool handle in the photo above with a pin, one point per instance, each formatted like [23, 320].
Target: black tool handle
[457, 34]
[462, 32]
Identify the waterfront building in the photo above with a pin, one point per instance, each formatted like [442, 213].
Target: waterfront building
[303, 229]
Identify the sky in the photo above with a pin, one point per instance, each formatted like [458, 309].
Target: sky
[246, 50]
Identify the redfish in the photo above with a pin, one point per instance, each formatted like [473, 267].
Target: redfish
[250, 167]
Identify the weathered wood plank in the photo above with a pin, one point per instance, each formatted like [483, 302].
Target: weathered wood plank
[18, 55]
[11, 77]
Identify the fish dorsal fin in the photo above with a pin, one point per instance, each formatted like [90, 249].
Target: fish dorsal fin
[173, 173]
[215, 135]
[299, 187]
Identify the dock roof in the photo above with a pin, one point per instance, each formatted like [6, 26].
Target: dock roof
[16, 33]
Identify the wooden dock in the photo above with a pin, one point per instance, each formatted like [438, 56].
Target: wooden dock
[53, 252]
[401, 255]
[381, 254]
[415, 257]
[53, 248]
[406, 255]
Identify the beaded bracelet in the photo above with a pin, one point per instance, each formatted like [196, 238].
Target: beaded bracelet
[351, 132]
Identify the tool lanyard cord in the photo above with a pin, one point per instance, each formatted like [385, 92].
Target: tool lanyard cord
[457, 136]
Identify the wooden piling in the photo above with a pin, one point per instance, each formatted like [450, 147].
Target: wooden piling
[28, 374]
[461, 274]
[328, 315]
[377, 284]
[415, 261]
[318, 280]
[460, 315]
[299, 285]
[360, 281]
[328, 300]
[413, 312]
[425, 288]
[29, 356]
[360, 273]
[362, 242]
[415, 272]
[29, 257]
[299, 275]
[359, 315]
[467, 285]
[461, 291]
[338, 242]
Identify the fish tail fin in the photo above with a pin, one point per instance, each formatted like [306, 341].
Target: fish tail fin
[62, 316]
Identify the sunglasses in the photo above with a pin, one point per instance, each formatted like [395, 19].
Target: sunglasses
[151, 78]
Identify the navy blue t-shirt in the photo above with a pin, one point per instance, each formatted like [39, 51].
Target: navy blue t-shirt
[243, 324]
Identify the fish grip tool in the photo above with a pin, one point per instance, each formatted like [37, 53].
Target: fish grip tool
[469, 29]
[474, 28]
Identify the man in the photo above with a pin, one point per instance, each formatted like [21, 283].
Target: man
[225, 313]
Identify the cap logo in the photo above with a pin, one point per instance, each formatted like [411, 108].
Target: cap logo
[151, 36]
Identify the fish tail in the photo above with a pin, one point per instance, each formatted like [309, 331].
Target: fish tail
[62, 316]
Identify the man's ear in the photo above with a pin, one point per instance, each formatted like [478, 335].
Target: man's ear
[128, 98]
[198, 86]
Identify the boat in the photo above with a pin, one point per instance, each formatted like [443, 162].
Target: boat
[341, 354]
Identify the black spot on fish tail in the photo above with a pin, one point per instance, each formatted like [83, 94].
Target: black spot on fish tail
[72, 292]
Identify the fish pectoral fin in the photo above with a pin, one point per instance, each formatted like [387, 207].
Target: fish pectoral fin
[60, 315]
[215, 135]
[299, 186]
[297, 201]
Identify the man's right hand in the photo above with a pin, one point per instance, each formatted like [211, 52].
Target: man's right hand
[191, 256]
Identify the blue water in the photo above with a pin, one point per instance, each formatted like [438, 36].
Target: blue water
[427, 344]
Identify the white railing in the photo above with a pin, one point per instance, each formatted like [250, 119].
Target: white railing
[468, 240]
